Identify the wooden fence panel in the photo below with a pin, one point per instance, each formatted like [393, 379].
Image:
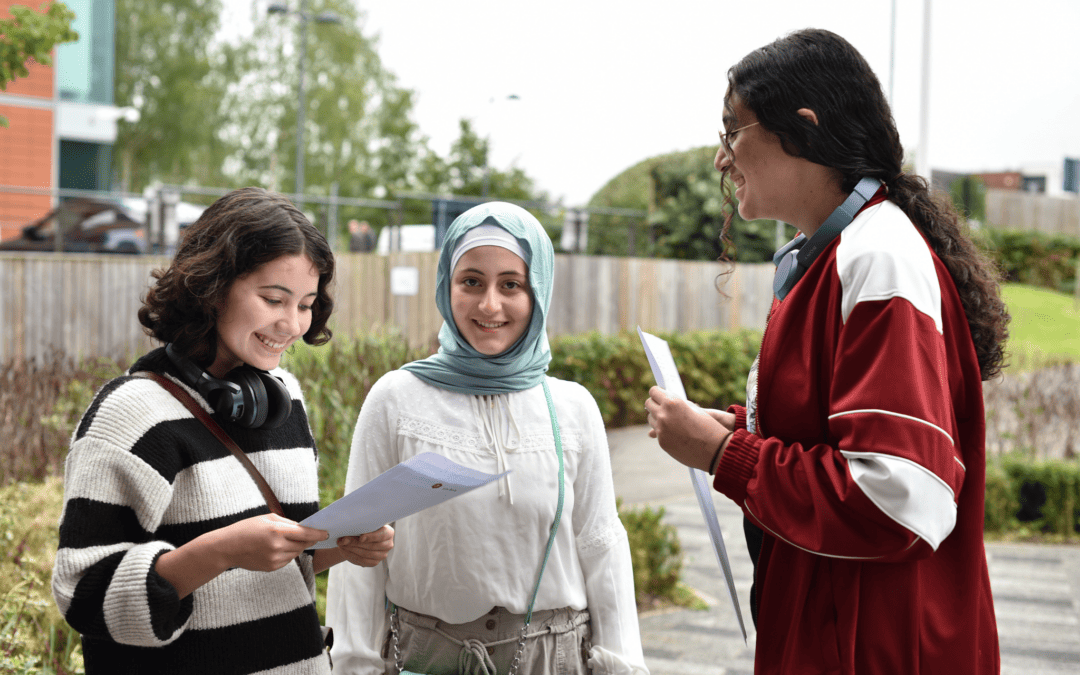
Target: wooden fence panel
[1015, 210]
[86, 305]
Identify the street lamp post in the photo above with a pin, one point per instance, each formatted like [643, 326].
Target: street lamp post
[301, 111]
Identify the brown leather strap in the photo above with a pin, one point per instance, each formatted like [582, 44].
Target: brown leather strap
[204, 417]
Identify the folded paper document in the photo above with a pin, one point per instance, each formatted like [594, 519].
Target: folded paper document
[418, 483]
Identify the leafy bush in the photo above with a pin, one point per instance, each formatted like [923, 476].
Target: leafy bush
[1037, 258]
[336, 379]
[969, 197]
[34, 639]
[1027, 498]
[40, 404]
[654, 550]
[614, 369]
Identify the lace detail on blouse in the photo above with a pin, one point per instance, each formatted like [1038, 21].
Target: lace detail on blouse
[596, 543]
[438, 434]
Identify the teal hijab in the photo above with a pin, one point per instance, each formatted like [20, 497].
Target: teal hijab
[458, 366]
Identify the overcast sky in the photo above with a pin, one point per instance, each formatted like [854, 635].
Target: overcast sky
[603, 85]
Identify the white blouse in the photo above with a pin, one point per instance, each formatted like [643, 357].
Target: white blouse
[457, 560]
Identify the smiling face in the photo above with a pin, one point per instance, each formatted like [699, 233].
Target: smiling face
[490, 298]
[265, 312]
[761, 171]
[770, 182]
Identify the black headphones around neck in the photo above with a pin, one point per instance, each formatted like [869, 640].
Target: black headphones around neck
[250, 397]
[797, 255]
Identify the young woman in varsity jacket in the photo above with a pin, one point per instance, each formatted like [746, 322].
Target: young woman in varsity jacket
[859, 458]
[170, 560]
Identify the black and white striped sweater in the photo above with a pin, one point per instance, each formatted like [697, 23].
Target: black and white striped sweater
[143, 477]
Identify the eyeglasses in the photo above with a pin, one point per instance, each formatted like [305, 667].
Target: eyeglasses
[726, 138]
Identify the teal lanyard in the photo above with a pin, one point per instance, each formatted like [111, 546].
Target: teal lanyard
[562, 493]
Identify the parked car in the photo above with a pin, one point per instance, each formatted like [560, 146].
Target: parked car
[86, 226]
[406, 238]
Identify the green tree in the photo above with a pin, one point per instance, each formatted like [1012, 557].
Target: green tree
[168, 68]
[358, 126]
[682, 192]
[467, 171]
[31, 35]
[969, 196]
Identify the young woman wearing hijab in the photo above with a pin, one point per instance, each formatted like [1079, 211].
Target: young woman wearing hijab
[171, 559]
[452, 596]
[859, 459]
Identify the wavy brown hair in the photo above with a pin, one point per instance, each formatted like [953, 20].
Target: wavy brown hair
[856, 135]
[236, 235]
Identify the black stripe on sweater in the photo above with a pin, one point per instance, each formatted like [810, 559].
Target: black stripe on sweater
[86, 612]
[92, 523]
[170, 447]
[251, 647]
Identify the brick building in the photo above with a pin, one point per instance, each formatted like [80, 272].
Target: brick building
[62, 121]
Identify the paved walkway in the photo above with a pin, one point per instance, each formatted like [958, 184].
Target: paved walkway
[1036, 587]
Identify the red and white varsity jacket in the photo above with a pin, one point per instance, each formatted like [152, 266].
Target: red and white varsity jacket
[861, 456]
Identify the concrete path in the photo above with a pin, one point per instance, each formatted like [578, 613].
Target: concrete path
[1036, 587]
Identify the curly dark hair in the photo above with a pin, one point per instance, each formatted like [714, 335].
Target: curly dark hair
[857, 136]
[237, 234]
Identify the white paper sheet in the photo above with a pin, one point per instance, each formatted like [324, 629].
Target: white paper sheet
[417, 483]
[667, 378]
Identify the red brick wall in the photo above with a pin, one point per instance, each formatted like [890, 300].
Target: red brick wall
[1006, 180]
[26, 145]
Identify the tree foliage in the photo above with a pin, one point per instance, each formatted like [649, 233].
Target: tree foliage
[466, 171]
[168, 69]
[682, 192]
[31, 35]
[226, 114]
[969, 196]
[358, 127]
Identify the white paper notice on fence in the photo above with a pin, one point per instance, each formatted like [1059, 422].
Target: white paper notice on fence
[667, 377]
[404, 280]
[418, 483]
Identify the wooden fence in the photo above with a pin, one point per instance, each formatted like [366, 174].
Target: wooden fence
[85, 305]
[1017, 210]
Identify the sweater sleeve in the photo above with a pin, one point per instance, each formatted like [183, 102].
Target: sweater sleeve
[604, 555]
[115, 494]
[884, 483]
[356, 596]
[740, 415]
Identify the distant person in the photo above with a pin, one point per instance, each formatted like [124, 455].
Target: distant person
[453, 595]
[859, 458]
[361, 237]
[170, 558]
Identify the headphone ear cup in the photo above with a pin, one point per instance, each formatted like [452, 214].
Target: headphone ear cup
[278, 405]
[254, 413]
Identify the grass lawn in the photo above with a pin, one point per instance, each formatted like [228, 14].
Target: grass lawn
[1045, 327]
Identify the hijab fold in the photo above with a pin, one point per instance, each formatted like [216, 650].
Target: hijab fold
[458, 366]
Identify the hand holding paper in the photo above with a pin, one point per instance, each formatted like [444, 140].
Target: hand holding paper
[667, 377]
[417, 483]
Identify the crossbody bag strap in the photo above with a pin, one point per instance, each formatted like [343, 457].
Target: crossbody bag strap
[200, 414]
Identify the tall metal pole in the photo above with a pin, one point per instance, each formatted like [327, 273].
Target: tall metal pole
[892, 52]
[922, 158]
[301, 111]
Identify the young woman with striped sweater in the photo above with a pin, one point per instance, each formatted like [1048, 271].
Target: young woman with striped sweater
[170, 560]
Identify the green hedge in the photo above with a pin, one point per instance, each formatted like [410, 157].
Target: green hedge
[713, 365]
[1036, 258]
[1026, 497]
